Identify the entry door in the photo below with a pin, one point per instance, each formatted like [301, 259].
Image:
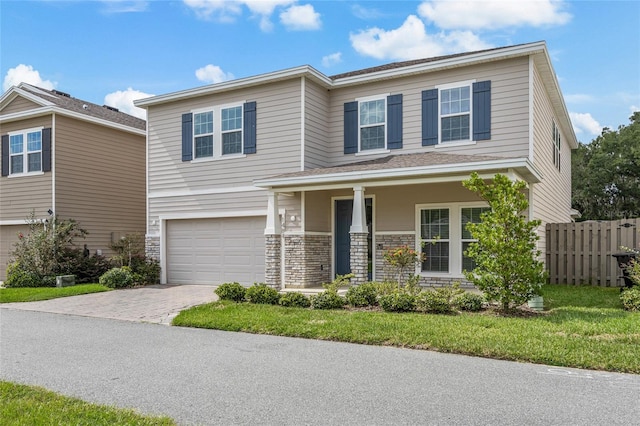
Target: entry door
[343, 216]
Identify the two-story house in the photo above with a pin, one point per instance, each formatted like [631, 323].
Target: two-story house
[292, 177]
[71, 158]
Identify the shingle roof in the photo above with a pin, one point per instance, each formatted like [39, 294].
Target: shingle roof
[67, 102]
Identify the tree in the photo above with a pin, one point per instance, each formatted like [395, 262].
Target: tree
[606, 174]
[507, 268]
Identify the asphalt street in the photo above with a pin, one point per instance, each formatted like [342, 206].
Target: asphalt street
[206, 377]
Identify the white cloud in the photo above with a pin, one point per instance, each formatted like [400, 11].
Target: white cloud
[585, 123]
[493, 14]
[300, 18]
[332, 59]
[230, 10]
[123, 100]
[25, 74]
[634, 108]
[364, 13]
[212, 74]
[125, 6]
[578, 98]
[411, 41]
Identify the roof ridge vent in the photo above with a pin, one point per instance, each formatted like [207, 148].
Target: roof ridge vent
[110, 108]
[58, 92]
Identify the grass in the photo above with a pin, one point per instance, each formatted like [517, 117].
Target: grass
[31, 405]
[583, 327]
[32, 294]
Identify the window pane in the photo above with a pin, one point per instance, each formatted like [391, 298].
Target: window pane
[437, 256]
[468, 264]
[231, 118]
[372, 112]
[204, 146]
[34, 161]
[232, 143]
[15, 144]
[203, 123]
[16, 164]
[455, 128]
[372, 137]
[471, 215]
[434, 224]
[34, 141]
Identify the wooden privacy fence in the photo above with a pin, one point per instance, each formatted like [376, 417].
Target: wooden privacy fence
[580, 253]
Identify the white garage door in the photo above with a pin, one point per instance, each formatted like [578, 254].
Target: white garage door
[215, 251]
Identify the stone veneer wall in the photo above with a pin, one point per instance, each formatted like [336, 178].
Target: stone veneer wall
[152, 247]
[359, 258]
[307, 260]
[272, 260]
[386, 242]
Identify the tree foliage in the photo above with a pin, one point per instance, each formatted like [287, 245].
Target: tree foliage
[606, 174]
[507, 268]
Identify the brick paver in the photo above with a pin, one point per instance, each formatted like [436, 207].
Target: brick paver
[153, 304]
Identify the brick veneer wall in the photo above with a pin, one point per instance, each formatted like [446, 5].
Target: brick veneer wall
[272, 260]
[359, 257]
[307, 260]
[152, 247]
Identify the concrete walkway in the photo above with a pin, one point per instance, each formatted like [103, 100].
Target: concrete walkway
[157, 304]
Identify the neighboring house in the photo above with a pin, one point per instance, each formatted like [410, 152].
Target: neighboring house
[292, 177]
[71, 158]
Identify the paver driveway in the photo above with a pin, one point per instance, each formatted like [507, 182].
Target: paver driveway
[154, 304]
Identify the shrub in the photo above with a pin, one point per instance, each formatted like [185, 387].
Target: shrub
[294, 300]
[87, 269]
[398, 302]
[468, 302]
[117, 278]
[261, 293]
[362, 295]
[231, 291]
[385, 287]
[633, 268]
[17, 276]
[434, 302]
[327, 300]
[630, 299]
[146, 270]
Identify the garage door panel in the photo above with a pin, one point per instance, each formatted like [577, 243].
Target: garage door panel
[213, 251]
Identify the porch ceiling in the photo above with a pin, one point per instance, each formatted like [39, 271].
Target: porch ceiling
[428, 167]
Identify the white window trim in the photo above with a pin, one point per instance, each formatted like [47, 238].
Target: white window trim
[455, 85]
[455, 236]
[25, 152]
[462, 239]
[193, 132]
[382, 97]
[217, 133]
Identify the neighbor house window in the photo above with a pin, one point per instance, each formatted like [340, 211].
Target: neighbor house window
[434, 234]
[469, 215]
[25, 152]
[455, 114]
[203, 134]
[231, 126]
[372, 124]
[556, 144]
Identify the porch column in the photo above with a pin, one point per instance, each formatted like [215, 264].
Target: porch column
[273, 243]
[359, 233]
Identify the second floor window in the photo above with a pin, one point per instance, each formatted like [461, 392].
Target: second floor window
[455, 114]
[25, 152]
[217, 132]
[203, 134]
[232, 130]
[372, 124]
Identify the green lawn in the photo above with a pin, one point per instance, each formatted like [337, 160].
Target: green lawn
[31, 405]
[32, 294]
[582, 327]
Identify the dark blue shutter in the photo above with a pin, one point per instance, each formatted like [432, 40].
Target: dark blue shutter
[46, 150]
[351, 127]
[187, 137]
[249, 131]
[429, 117]
[394, 121]
[5, 155]
[481, 110]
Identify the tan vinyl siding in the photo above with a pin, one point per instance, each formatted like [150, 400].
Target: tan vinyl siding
[316, 107]
[552, 196]
[100, 180]
[19, 104]
[21, 194]
[8, 237]
[509, 112]
[278, 141]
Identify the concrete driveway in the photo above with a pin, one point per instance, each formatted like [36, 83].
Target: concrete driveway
[157, 304]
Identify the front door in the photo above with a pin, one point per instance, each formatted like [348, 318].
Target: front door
[343, 215]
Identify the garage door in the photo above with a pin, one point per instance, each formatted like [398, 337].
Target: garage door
[215, 251]
[8, 237]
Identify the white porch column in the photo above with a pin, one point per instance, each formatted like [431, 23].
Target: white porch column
[359, 215]
[273, 243]
[273, 226]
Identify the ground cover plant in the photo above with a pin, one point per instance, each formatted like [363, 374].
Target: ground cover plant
[32, 294]
[583, 327]
[31, 405]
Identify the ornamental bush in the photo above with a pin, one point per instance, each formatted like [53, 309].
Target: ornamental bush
[468, 302]
[398, 302]
[327, 300]
[434, 303]
[117, 278]
[294, 300]
[362, 295]
[630, 299]
[17, 276]
[231, 291]
[260, 293]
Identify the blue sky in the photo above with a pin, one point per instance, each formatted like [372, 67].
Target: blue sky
[112, 52]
